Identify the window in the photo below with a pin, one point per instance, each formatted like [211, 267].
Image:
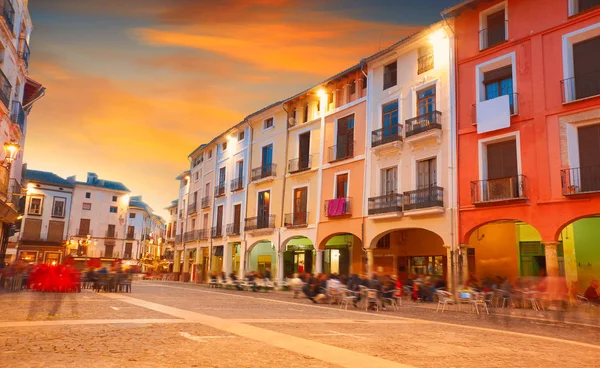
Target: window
[132, 215]
[589, 158]
[32, 229]
[344, 147]
[305, 114]
[341, 186]
[384, 242]
[426, 101]
[389, 179]
[88, 195]
[59, 206]
[389, 114]
[86, 206]
[224, 146]
[196, 176]
[113, 209]
[427, 173]
[35, 206]
[241, 136]
[586, 81]
[365, 82]
[84, 227]
[352, 86]
[268, 123]
[209, 154]
[501, 171]
[493, 28]
[390, 75]
[499, 82]
[578, 6]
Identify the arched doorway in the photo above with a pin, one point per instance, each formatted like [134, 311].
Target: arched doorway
[581, 251]
[410, 252]
[261, 256]
[342, 255]
[298, 256]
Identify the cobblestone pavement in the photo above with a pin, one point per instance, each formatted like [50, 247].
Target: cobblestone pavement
[165, 324]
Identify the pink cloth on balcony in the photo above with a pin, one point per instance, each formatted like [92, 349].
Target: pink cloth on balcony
[336, 207]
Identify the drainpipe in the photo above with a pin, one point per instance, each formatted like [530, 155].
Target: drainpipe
[243, 247]
[455, 184]
[319, 266]
[367, 169]
[279, 250]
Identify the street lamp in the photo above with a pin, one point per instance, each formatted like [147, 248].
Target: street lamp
[11, 149]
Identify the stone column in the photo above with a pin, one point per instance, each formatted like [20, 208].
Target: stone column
[227, 258]
[370, 262]
[186, 260]
[176, 261]
[464, 261]
[242, 270]
[319, 261]
[280, 275]
[450, 267]
[551, 258]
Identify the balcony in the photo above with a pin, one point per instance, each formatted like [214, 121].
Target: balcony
[386, 135]
[388, 203]
[5, 90]
[178, 238]
[580, 87]
[580, 180]
[205, 202]
[492, 36]
[220, 190]
[189, 236]
[341, 151]
[513, 102]
[338, 207]
[17, 115]
[300, 164]
[216, 232]
[202, 234]
[83, 232]
[263, 172]
[111, 234]
[37, 239]
[234, 229]
[296, 219]
[423, 123]
[259, 222]
[498, 190]
[24, 51]
[130, 235]
[8, 12]
[237, 184]
[191, 208]
[425, 63]
[429, 197]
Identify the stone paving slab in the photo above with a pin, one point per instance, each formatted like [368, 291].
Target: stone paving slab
[138, 345]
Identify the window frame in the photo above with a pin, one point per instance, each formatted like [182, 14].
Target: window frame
[64, 211]
[41, 206]
[83, 206]
[115, 198]
[88, 195]
[266, 125]
[568, 40]
[116, 209]
[482, 151]
[387, 71]
[483, 18]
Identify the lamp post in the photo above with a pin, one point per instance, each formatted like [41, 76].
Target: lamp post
[11, 150]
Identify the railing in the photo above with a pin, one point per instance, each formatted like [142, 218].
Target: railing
[220, 189]
[338, 207]
[385, 204]
[513, 100]
[237, 184]
[392, 133]
[580, 87]
[490, 37]
[300, 164]
[205, 202]
[4, 182]
[341, 151]
[192, 207]
[8, 12]
[216, 232]
[580, 180]
[202, 234]
[234, 229]
[189, 236]
[130, 235]
[5, 89]
[14, 192]
[425, 63]
[178, 238]
[296, 219]
[259, 222]
[432, 196]
[84, 232]
[264, 171]
[111, 234]
[24, 51]
[498, 189]
[423, 123]
[17, 115]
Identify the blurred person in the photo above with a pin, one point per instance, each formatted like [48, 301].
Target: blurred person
[267, 274]
[592, 293]
[296, 285]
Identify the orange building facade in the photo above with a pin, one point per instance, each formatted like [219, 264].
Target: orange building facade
[528, 116]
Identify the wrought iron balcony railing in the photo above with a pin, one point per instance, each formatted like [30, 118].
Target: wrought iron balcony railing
[216, 232]
[385, 204]
[17, 115]
[392, 133]
[202, 234]
[178, 238]
[425, 63]
[220, 189]
[580, 87]
[237, 184]
[502, 189]
[8, 13]
[296, 219]
[192, 208]
[234, 229]
[84, 232]
[300, 164]
[259, 222]
[338, 207]
[189, 236]
[264, 171]
[341, 151]
[580, 180]
[112, 234]
[432, 196]
[423, 123]
[492, 36]
[24, 51]
[205, 202]
[5, 90]
[130, 235]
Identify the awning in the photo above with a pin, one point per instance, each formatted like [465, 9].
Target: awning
[218, 251]
[33, 90]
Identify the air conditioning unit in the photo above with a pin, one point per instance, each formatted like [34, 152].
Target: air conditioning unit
[292, 121]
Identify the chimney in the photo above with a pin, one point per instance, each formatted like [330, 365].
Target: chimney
[91, 178]
[71, 179]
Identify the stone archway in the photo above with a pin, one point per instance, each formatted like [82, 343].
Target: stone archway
[298, 255]
[341, 253]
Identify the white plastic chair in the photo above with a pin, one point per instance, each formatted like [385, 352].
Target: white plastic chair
[444, 298]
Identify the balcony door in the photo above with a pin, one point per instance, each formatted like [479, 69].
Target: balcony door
[389, 120]
[221, 178]
[389, 178]
[499, 82]
[427, 173]
[341, 186]
[589, 158]
[496, 28]
[426, 101]
[300, 205]
[237, 218]
[345, 137]
[240, 172]
[264, 204]
[267, 160]
[586, 68]
[205, 222]
[84, 227]
[219, 224]
[303, 150]
[502, 171]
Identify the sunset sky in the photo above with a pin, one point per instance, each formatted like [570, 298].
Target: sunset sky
[134, 86]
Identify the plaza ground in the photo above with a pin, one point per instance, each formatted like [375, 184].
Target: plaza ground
[167, 324]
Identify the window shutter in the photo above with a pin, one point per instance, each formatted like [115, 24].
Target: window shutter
[495, 75]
